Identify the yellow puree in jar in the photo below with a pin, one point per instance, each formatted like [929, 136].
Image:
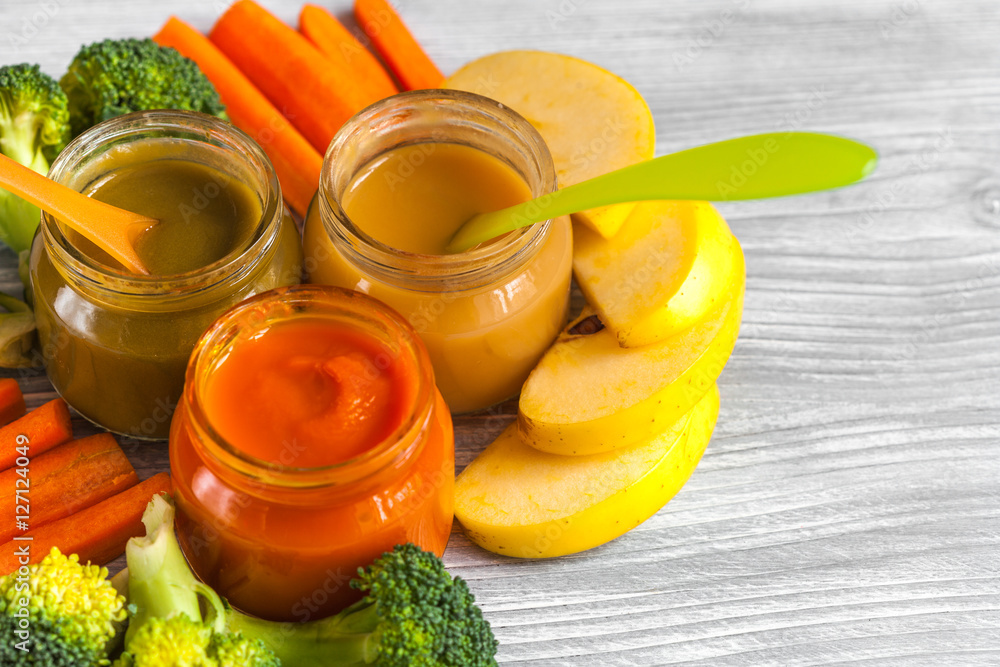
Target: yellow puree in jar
[416, 197]
[483, 340]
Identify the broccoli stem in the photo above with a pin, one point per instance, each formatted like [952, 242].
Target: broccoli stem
[19, 141]
[17, 332]
[22, 219]
[161, 584]
[339, 641]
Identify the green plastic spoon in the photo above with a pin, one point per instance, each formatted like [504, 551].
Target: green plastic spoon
[755, 167]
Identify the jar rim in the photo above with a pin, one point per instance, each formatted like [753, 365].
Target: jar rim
[253, 316]
[150, 125]
[471, 268]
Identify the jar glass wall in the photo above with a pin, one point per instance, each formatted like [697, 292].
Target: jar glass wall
[486, 315]
[115, 344]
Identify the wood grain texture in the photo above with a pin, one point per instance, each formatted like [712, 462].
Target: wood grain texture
[848, 508]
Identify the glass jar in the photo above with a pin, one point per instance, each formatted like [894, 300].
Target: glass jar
[485, 315]
[115, 344]
[280, 541]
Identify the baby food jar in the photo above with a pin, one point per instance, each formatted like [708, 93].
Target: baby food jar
[115, 344]
[278, 523]
[485, 315]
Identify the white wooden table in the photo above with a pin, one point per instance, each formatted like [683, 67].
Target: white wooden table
[848, 507]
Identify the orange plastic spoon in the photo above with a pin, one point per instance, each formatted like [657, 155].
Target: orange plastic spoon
[111, 229]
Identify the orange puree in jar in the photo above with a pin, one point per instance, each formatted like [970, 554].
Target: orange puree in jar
[309, 440]
[333, 392]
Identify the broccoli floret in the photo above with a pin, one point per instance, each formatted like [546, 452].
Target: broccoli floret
[413, 613]
[168, 627]
[119, 76]
[59, 613]
[178, 640]
[232, 649]
[34, 127]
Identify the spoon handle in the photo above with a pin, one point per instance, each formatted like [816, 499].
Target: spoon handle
[110, 228]
[754, 167]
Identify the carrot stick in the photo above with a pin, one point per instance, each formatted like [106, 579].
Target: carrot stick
[65, 480]
[338, 44]
[97, 534]
[412, 66]
[11, 401]
[296, 162]
[39, 431]
[317, 95]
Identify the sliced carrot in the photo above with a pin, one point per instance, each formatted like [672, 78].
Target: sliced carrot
[408, 61]
[97, 534]
[315, 94]
[338, 44]
[11, 401]
[37, 432]
[67, 479]
[296, 162]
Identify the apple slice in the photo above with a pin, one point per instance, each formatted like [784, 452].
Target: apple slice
[592, 120]
[517, 501]
[669, 265]
[588, 394]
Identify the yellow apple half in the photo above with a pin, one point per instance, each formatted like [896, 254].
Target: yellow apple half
[588, 394]
[517, 501]
[592, 120]
[670, 264]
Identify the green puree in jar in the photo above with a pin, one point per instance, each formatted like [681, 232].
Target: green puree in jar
[204, 214]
